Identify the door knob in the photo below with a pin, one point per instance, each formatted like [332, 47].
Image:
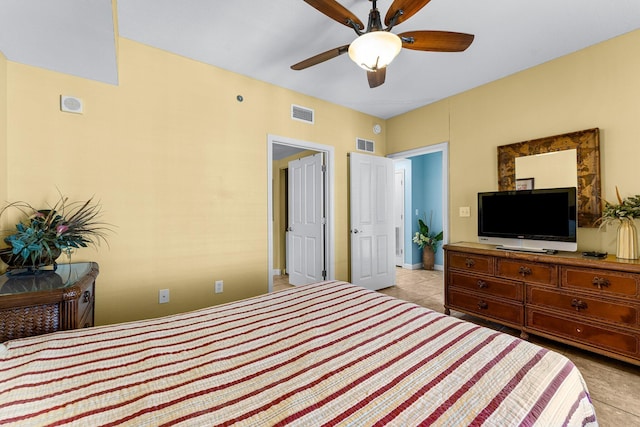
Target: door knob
[290, 229]
[355, 231]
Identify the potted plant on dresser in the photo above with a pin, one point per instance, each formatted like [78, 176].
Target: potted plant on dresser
[41, 235]
[624, 214]
[427, 240]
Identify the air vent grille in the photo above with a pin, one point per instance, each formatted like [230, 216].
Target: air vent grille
[302, 113]
[365, 145]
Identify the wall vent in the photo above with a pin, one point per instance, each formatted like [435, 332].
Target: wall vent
[302, 113]
[365, 145]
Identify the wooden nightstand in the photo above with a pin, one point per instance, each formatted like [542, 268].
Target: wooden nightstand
[48, 301]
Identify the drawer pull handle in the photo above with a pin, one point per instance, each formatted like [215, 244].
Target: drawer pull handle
[524, 271]
[469, 262]
[483, 305]
[86, 297]
[601, 282]
[578, 305]
[482, 284]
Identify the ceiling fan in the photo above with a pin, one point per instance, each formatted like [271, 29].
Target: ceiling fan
[376, 47]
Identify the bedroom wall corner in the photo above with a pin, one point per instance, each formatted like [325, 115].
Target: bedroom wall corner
[418, 128]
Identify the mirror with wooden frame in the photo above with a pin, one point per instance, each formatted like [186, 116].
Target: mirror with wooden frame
[587, 146]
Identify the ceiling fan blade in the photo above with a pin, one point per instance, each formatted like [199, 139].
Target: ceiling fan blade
[376, 78]
[336, 11]
[321, 57]
[436, 41]
[408, 7]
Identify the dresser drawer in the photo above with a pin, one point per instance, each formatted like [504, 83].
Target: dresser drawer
[590, 334]
[480, 304]
[85, 300]
[606, 282]
[544, 274]
[487, 285]
[470, 262]
[580, 306]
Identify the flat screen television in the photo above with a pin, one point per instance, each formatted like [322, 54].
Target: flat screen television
[542, 220]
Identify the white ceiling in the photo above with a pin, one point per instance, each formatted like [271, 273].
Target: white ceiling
[262, 39]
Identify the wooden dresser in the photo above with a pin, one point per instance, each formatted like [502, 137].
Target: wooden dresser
[590, 303]
[48, 301]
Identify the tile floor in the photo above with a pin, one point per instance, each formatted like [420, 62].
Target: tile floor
[614, 385]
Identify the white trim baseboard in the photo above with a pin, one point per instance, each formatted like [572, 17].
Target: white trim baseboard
[412, 266]
[438, 267]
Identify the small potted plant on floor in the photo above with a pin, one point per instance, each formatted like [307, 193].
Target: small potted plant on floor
[427, 240]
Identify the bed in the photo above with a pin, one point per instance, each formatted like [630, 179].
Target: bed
[329, 353]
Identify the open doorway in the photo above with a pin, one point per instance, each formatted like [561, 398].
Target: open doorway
[283, 155]
[426, 196]
[279, 148]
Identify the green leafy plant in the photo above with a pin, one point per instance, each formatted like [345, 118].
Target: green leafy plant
[45, 233]
[628, 208]
[427, 238]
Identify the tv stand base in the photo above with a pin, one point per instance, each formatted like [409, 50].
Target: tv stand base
[532, 250]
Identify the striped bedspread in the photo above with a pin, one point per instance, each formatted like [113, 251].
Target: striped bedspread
[324, 354]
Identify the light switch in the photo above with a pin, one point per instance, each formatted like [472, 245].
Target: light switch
[465, 211]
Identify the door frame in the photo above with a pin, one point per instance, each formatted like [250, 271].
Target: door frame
[442, 147]
[329, 152]
[405, 166]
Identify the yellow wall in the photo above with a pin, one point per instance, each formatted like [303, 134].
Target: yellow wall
[3, 129]
[595, 87]
[179, 165]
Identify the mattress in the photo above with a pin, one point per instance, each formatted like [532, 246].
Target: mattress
[328, 353]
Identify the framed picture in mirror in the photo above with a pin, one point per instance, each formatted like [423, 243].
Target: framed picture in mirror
[524, 183]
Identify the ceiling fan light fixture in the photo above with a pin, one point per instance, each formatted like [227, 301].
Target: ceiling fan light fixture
[375, 50]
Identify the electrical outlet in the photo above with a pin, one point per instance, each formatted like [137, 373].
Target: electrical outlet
[465, 211]
[219, 287]
[163, 296]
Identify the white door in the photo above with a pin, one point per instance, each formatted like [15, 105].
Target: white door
[372, 236]
[398, 216]
[305, 232]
